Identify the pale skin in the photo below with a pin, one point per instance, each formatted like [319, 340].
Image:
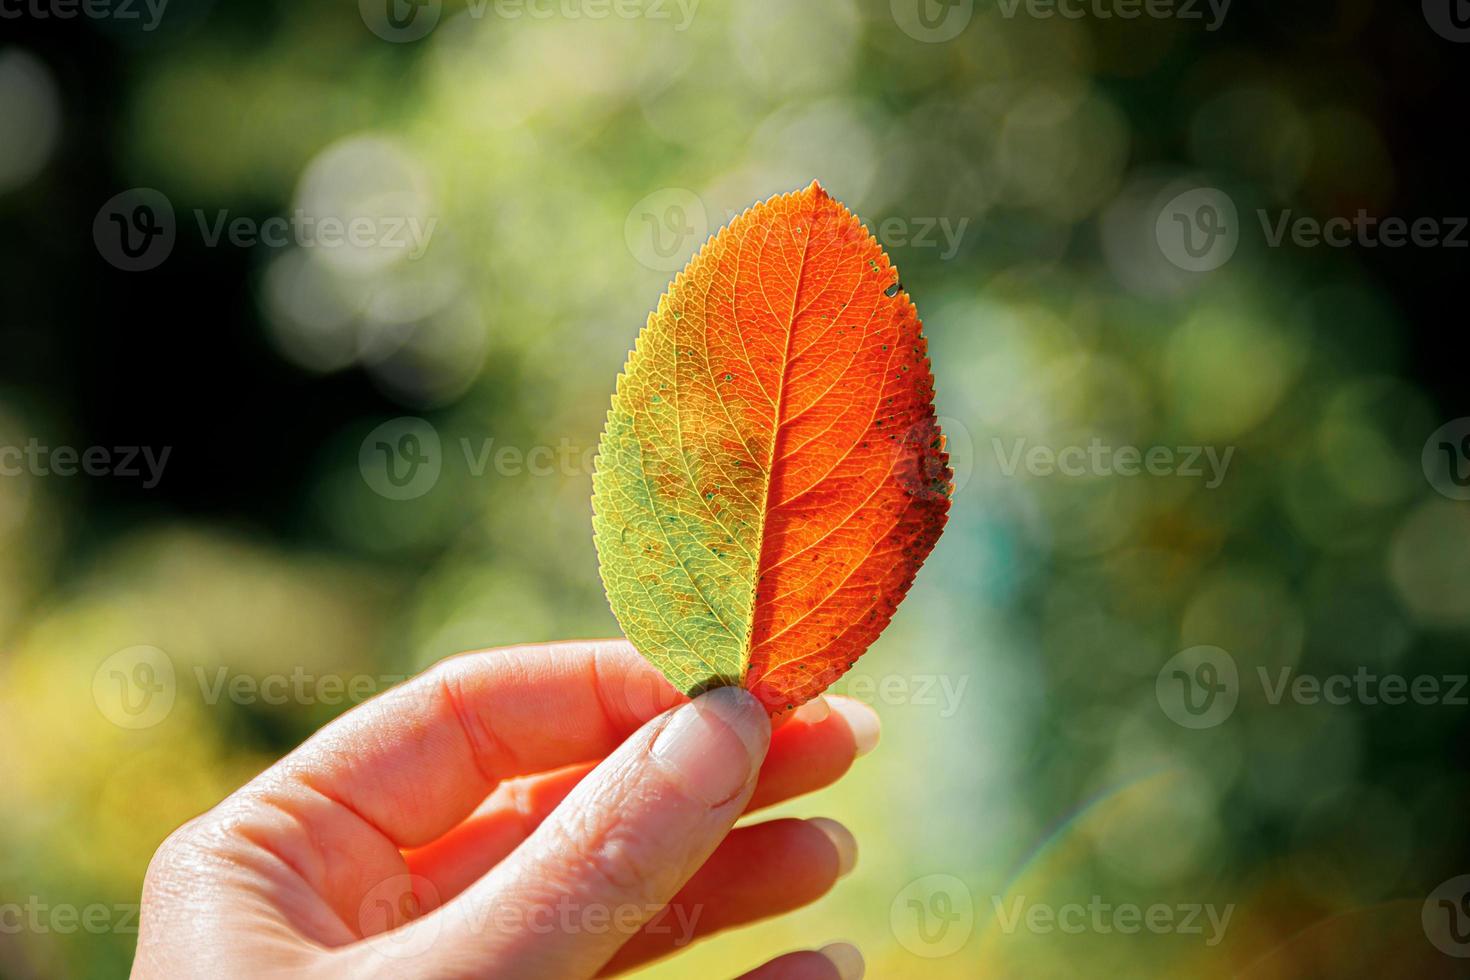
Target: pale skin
[552, 811]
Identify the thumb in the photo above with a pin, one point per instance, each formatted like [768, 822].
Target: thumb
[619, 847]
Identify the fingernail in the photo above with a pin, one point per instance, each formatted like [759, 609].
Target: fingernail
[846, 958]
[863, 721]
[814, 712]
[715, 743]
[841, 839]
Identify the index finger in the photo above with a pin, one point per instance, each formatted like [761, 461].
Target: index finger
[418, 759]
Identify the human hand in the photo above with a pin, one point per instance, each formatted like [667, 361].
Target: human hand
[462, 825]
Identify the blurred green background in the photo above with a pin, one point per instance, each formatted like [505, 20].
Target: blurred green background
[1020, 168]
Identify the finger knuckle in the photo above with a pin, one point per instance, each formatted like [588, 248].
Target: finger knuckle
[620, 864]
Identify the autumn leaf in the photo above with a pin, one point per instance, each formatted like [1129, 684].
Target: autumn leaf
[771, 476]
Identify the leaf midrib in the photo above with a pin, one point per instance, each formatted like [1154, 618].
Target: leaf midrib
[747, 647]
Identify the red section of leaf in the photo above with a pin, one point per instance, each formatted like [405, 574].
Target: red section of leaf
[859, 481]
